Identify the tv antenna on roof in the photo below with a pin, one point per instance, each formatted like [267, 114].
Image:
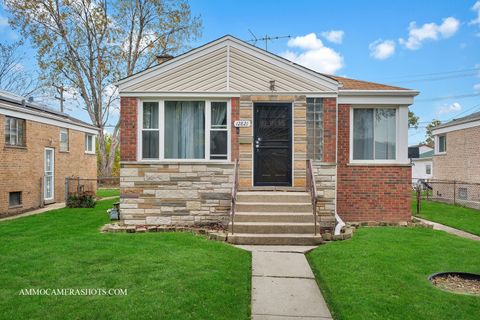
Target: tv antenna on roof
[266, 38]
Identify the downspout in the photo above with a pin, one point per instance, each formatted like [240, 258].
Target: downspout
[339, 222]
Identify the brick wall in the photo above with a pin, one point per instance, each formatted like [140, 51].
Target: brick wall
[369, 193]
[329, 129]
[22, 168]
[462, 160]
[128, 129]
[182, 194]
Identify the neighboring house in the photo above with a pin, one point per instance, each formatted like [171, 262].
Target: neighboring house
[185, 122]
[422, 164]
[41, 147]
[457, 158]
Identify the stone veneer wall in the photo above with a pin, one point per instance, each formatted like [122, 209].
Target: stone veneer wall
[182, 194]
[299, 136]
[326, 183]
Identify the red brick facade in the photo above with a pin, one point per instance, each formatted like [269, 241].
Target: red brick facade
[369, 193]
[235, 104]
[329, 129]
[128, 129]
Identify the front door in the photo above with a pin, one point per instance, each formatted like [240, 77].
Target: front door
[272, 144]
[49, 174]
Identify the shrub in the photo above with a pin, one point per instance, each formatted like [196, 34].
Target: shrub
[81, 201]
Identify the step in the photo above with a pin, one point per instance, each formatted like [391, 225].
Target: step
[303, 207]
[273, 196]
[273, 217]
[274, 239]
[272, 188]
[274, 227]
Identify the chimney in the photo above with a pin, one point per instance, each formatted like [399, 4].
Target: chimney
[164, 57]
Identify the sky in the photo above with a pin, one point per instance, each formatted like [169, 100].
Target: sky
[429, 46]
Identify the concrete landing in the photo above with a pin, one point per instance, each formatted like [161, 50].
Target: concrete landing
[283, 285]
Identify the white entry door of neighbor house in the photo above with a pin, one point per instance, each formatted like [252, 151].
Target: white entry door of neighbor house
[49, 185]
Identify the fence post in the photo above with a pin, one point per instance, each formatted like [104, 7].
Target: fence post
[454, 192]
[78, 185]
[418, 199]
[67, 188]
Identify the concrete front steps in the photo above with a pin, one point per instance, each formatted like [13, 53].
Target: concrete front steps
[274, 218]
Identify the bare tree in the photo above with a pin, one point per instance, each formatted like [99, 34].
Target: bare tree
[13, 77]
[88, 44]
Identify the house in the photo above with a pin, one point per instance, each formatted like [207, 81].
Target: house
[421, 161]
[41, 147]
[185, 123]
[457, 158]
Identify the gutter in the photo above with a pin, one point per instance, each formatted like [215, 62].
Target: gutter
[340, 224]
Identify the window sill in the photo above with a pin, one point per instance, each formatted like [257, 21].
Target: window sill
[15, 207]
[440, 153]
[91, 153]
[178, 162]
[7, 146]
[66, 151]
[379, 164]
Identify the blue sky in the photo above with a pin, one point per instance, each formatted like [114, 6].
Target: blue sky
[432, 47]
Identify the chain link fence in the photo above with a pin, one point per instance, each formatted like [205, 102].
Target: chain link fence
[462, 193]
[76, 186]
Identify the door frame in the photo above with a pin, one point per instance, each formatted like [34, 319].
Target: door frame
[53, 174]
[290, 105]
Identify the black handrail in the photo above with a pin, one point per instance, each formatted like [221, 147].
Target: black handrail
[312, 188]
[234, 193]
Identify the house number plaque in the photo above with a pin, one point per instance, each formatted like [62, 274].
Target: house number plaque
[242, 123]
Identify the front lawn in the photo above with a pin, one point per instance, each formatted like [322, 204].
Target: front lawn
[103, 193]
[381, 273]
[462, 218]
[167, 275]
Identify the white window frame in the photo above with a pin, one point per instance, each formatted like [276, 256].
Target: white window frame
[401, 135]
[437, 143]
[161, 125]
[428, 167]
[86, 144]
[60, 140]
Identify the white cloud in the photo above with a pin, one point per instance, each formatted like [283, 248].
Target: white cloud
[381, 49]
[476, 88]
[429, 31]
[454, 107]
[3, 22]
[476, 8]
[335, 36]
[315, 55]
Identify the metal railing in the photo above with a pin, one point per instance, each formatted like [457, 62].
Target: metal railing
[312, 188]
[234, 194]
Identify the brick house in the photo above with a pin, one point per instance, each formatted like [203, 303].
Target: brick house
[41, 147]
[457, 158]
[185, 122]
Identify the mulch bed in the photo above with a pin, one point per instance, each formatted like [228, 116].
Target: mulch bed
[457, 284]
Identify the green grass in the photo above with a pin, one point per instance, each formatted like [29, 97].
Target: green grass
[103, 193]
[167, 275]
[382, 274]
[458, 217]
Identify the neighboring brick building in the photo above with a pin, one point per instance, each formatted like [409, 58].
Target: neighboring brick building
[41, 147]
[180, 138]
[457, 158]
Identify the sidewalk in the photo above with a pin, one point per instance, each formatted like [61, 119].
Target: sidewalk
[457, 232]
[283, 285]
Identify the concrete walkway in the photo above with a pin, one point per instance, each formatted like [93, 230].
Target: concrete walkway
[460, 233]
[283, 285]
[48, 207]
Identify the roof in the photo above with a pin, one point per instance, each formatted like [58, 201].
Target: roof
[470, 118]
[16, 103]
[353, 84]
[339, 83]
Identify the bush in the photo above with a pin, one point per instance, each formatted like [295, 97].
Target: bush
[81, 201]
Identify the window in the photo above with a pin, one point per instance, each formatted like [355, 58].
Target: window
[463, 193]
[63, 139]
[442, 143]
[218, 131]
[89, 143]
[428, 169]
[184, 130]
[315, 128]
[14, 132]
[374, 134]
[150, 131]
[15, 198]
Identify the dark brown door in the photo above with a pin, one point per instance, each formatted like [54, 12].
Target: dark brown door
[272, 144]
